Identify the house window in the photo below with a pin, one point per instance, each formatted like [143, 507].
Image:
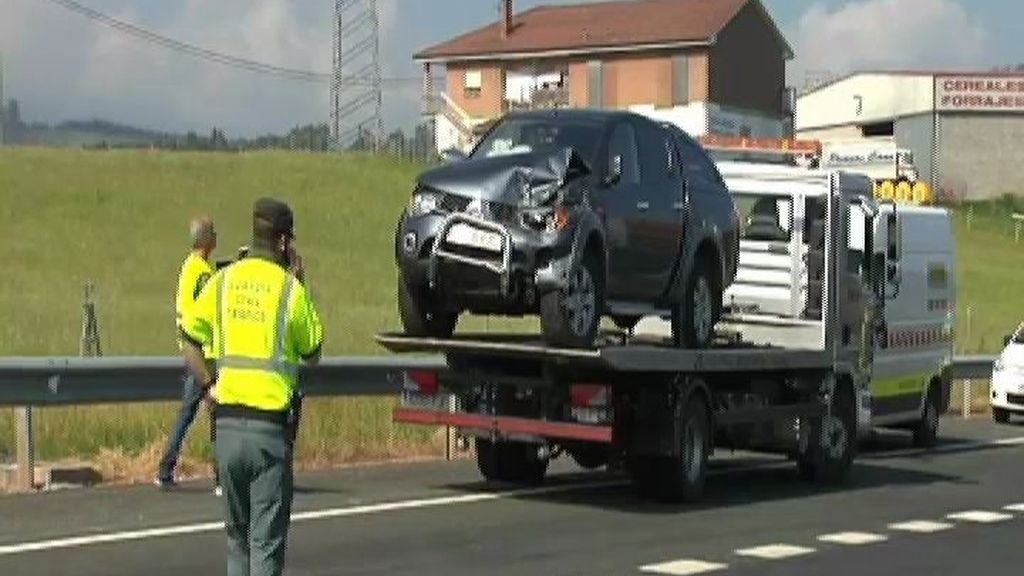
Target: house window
[680, 79]
[473, 83]
[595, 77]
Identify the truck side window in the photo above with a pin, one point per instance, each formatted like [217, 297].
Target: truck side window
[623, 143]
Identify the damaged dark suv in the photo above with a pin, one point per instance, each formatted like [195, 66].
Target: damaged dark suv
[576, 215]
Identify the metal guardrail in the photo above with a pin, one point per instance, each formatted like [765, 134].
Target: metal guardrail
[54, 381]
[971, 368]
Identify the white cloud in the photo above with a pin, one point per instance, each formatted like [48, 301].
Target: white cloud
[63, 66]
[888, 34]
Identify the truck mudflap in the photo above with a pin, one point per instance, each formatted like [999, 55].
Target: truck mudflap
[505, 425]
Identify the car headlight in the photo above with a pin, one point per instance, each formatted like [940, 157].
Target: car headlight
[423, 202]
[548, 219]
[998, 365]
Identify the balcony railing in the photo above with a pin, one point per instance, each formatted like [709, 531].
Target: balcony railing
[541, 99]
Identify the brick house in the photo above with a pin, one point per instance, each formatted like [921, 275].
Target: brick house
[712, 66]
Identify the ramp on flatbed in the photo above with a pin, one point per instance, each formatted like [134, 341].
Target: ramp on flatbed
[613, 353]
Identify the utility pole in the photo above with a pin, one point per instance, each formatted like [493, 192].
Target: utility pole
[356, 94]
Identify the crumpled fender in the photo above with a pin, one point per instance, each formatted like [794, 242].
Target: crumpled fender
[555, 275]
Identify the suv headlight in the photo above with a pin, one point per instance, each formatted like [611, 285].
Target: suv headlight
[423, 202]
[998, 365]
[548, 219]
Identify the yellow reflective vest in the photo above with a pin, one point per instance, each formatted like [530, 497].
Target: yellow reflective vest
[260, 323]
[195, 272]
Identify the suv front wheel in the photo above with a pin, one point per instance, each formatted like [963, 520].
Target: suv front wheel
[570, 316]
[421, 315]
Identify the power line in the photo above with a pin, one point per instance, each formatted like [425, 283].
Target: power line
[212, 55]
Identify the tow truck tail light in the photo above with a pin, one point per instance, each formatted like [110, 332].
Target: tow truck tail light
[422, 381]
[589, 395]
[590, 403]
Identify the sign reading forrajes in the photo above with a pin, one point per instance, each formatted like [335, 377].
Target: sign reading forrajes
[980, 93]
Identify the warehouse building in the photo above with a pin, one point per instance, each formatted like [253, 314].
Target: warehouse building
[964, 130]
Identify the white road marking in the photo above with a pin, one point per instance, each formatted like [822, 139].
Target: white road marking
[683, 567]
[775, 551]
[75, 541]
[980, 516]
[921, 526]
[1014, 507]
[852, 538]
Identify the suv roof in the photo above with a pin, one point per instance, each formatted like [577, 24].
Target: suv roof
[590, 114]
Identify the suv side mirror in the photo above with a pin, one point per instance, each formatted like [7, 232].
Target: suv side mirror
[893, 236]
[614, 171]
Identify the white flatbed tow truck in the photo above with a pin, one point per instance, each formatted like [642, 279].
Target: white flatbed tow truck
[789, 372]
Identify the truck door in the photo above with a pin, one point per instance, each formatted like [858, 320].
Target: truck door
[902, 366]
[856, 316]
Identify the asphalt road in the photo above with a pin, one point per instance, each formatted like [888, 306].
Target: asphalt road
[905, 511]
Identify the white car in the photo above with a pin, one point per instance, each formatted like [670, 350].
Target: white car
[1008, 378]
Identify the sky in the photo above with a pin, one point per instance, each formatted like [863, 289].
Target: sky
[63, 66]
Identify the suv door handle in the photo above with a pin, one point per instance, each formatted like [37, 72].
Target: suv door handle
[643, 205]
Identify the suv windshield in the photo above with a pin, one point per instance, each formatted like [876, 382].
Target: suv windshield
[1018, 337]
[523, 135]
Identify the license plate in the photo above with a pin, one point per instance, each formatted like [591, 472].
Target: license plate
[466, 235]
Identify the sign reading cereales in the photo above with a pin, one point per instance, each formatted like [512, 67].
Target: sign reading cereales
[975, 93]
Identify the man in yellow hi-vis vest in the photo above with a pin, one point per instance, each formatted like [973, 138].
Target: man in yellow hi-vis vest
[195, 271]
[261, 324]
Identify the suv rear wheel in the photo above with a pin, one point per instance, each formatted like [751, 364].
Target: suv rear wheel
[420, 315]
[694, 317]
[570, 317]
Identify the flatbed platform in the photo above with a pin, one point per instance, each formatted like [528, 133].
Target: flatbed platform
[614, 353]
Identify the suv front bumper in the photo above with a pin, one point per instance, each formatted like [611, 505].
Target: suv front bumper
[483, 263]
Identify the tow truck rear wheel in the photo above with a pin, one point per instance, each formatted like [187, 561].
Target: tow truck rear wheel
[420, 315]
[831, 442]
[506, 461]
[926, 432]
[681, 477]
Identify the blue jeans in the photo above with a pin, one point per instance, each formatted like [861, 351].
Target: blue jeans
[191, 398]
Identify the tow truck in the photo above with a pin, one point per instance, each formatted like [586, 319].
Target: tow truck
[789, 371]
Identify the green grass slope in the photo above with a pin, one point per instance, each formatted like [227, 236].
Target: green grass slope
[119, 219]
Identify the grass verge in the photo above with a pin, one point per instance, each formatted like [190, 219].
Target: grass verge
[119, 219]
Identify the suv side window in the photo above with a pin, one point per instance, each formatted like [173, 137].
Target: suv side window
[656, 161]
[697, 165]
[623, 143]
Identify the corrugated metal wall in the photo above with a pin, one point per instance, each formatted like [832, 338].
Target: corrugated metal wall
[979, 155]
[916, 133]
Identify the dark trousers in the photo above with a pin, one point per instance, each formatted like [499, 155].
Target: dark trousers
[191, 399]
[255, 461]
